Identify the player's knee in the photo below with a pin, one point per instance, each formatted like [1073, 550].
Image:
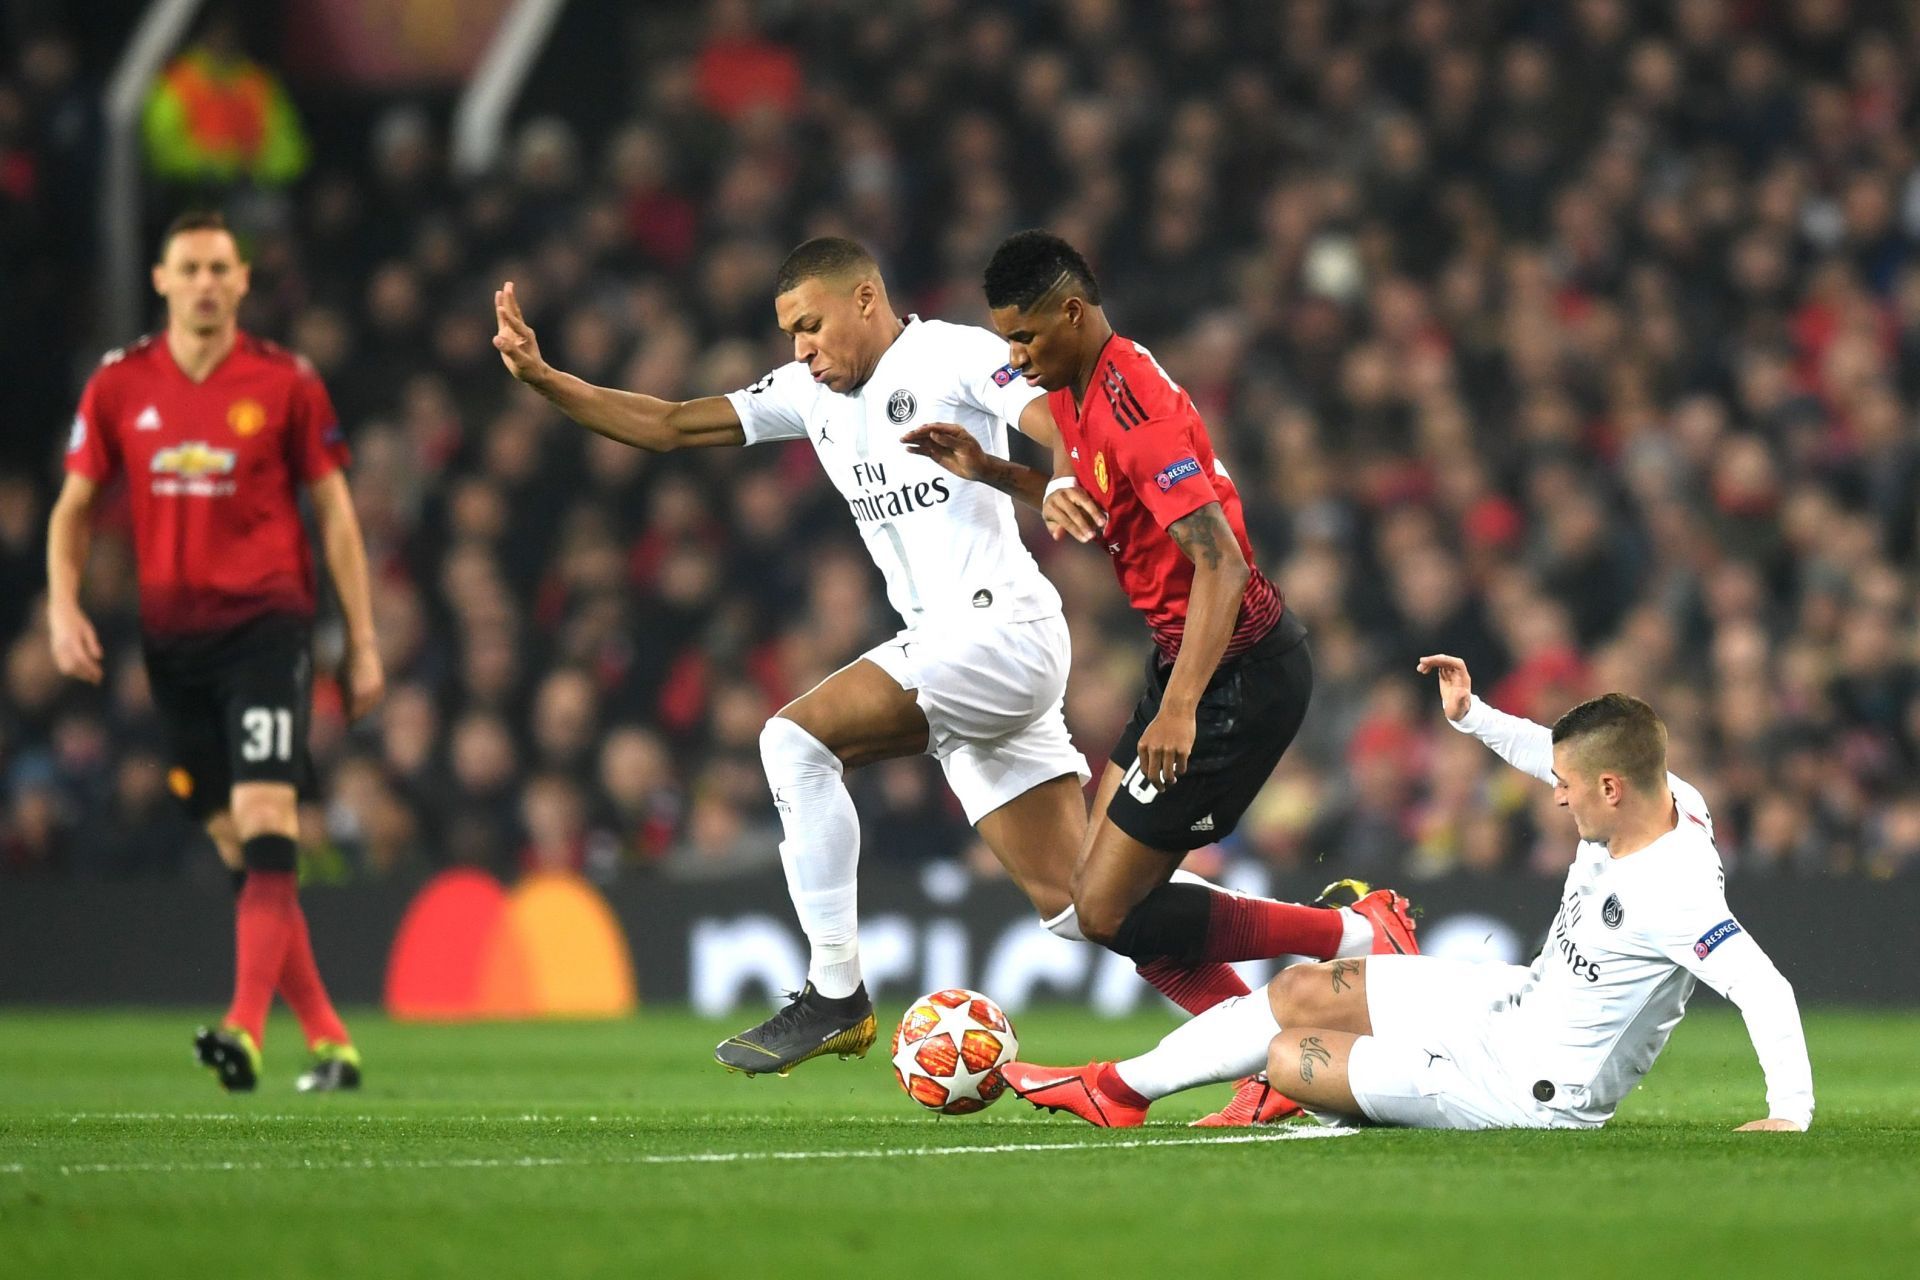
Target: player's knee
[789, 752]
[1280, 1059]
[1293, 993]
[264, 809]
[1101, 921]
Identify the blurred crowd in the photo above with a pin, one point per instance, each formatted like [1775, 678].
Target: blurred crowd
[1581, 341]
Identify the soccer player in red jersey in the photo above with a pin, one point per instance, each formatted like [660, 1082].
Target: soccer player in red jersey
[857, 376]
[218, 433]
[1230, 675]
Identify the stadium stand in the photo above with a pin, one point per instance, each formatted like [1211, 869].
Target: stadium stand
[1582, 341]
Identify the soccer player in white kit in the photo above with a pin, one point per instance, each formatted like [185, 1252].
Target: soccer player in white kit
[1431, 1043]
[977, 677]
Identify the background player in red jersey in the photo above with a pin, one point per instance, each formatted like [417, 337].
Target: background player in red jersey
[218, 433]
[1230, 675]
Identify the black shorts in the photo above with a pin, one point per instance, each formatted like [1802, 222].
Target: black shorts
[235, 707]
[1250, 712]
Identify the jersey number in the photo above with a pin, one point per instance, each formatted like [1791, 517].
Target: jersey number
[1137, 785]
[269, 734]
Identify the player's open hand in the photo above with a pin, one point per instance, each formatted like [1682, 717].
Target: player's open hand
[366, 680]
[1774, 1125]
[519, 349]
[76, 646]
[1069, 511]
[1166, 746]
[1456, 686]
[951, 445]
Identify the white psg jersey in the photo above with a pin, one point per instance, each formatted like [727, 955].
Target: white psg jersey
[1630, 938]
[948, 547]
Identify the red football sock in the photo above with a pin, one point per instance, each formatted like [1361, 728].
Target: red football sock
[1108, 1081]
[1260, 929]
[262, 929]
[1194, 987]
[301, 986]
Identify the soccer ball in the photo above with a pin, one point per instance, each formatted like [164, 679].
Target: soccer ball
[948, 1051]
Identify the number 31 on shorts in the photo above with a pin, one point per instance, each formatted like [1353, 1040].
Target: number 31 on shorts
[269, 733]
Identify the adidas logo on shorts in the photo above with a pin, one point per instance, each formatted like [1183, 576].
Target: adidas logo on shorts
[1205, 824]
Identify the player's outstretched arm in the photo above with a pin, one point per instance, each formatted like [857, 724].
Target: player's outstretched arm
[1766, 1003]
[76, 647]
[1523, 744]
[643, 421]
[959, 451]
[346, 554]
[1729, 960]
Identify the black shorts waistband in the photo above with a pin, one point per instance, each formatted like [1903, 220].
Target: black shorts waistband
[1285, 635]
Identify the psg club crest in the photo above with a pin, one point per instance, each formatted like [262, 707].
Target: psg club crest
[1610, 911]
[900, 406]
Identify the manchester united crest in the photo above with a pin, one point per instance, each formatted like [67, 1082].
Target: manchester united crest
[1100, 471]
[246, 417]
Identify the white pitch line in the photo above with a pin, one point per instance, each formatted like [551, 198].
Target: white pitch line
[320, 1113]
[1294, 1133]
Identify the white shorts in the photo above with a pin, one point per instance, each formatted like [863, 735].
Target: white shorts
[1430, 1063]
[993, 694]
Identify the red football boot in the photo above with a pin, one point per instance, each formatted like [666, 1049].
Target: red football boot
[1255, 1101]
[1075, 1090]
[1392, 923]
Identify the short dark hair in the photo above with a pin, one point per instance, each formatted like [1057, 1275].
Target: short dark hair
[1618, 733]
[198, 220]
[1029, 263]
[823, 256]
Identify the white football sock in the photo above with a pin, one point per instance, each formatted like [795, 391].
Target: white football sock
[821, 853]
[1183, 876]
[1065, 925]
[1356, 935]
[1226, 1042]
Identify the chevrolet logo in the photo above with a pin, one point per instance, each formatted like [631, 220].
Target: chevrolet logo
[192, 460]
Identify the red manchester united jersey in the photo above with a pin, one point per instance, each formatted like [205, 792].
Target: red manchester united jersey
[214, 471]
[1139, 447]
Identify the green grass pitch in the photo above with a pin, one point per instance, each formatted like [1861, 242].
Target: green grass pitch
[590, 1149]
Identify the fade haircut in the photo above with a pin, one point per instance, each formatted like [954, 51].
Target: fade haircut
[823, 257]
[1617, 733]
[1028, 264]
[198, 220]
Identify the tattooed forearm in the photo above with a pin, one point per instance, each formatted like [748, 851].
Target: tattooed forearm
[1312, 1054]
[1013, 479]
[1205, 536]
[1343, 971]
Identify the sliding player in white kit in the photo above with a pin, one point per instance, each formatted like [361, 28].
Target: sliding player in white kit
[977, 677]
[1430, 1043]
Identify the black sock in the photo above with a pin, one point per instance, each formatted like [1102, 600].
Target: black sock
[853, 1003]
[1170, 922]
[270, 853]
